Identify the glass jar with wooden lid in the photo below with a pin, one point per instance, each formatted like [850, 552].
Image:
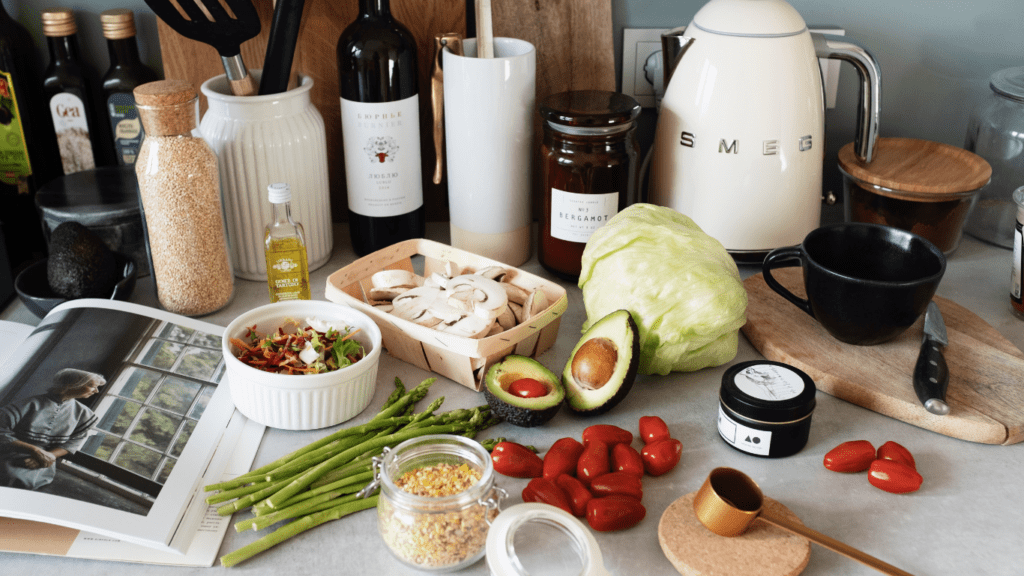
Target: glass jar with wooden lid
[923, 187]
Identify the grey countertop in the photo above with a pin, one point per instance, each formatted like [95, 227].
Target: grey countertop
[967, 518]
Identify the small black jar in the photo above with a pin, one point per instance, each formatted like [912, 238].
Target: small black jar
[765, 408]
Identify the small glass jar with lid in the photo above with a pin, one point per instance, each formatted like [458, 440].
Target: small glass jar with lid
[996, 133]
[437, 501]
[179, 186]
[589, 171]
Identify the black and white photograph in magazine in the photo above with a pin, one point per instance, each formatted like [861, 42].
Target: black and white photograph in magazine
[97, 408]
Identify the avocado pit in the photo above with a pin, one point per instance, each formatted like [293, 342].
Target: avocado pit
[594, 363]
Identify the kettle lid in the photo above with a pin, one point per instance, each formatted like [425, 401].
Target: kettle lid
[760, 18]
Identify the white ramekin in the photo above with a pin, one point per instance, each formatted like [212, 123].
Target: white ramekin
[306, 401]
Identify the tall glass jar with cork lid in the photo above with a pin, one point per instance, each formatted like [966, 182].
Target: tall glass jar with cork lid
[179, 185]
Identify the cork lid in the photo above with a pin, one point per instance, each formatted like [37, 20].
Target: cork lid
[164, 93]
[918, 169]
[58, 22]
[118, 23]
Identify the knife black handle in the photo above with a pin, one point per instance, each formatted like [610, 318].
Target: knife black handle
[931, 377]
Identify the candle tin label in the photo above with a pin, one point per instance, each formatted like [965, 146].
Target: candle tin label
[769, 382]
[743, 438]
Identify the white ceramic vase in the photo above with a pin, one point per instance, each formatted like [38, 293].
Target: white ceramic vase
[260, 140]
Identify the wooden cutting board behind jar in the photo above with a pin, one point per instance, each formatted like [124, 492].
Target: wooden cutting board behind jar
[574, 52]
[985, 397]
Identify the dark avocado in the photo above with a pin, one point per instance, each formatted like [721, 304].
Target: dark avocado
[80, 264]
[517, 410]
[602, 366]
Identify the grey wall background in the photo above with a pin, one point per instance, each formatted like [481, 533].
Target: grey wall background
[935, 55]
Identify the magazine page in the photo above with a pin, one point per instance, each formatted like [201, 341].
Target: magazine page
[109, 416]
[234, 456]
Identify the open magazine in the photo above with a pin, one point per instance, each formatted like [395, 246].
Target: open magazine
[112, 419]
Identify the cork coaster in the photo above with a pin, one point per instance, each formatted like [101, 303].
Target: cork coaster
[763, 550]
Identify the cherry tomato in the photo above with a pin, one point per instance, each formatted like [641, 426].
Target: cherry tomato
[893, 451]
[661, 456]
[895, 477]
[516, 460]
[528, 388]
[607, 433]
[653, 429]
[619, 483]
[626, 459]
[593, 462]
[578, 494]
[546, 492]
[562, 457]
[614, 513]
[850, 456]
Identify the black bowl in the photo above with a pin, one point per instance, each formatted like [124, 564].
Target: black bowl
[34, 289]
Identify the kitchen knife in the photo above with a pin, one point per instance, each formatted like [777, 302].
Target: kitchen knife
[931, 375]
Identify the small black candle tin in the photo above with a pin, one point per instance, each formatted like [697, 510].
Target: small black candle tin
[765, 408]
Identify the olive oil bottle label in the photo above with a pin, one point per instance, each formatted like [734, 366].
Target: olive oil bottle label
[287, 271]
[72, 128]
[381, 141]
[15, 166]
[126, 127]
[574, 217]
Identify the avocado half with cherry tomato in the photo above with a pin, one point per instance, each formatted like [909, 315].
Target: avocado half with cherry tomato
[522, 391]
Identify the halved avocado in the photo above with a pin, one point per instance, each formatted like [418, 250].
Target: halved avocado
[517, 410]
[602, 366]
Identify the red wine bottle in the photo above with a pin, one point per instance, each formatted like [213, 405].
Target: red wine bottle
[380, 129]
[28, 156]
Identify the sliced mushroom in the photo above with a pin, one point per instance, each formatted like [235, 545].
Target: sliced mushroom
[451, 269]
[471, 326]
[389, 293]
[517, 311]
[489, 301]
[535, 304]
[514, 293]
[395, 278]
[383, 306]
[496, 273]
[436, 279]
[507, 318]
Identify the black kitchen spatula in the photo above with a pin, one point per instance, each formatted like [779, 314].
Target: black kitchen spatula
[210, 22]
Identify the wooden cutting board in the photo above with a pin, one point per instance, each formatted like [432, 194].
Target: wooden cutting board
[574, 52]
[985, 395]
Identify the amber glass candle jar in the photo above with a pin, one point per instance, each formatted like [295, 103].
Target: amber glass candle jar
[589, 163]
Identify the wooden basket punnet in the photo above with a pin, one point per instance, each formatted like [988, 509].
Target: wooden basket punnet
[464, 360]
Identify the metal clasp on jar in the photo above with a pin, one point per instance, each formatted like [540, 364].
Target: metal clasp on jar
[377, 465]
[493, 502]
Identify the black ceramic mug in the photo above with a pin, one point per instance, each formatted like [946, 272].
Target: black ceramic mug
[865, 283]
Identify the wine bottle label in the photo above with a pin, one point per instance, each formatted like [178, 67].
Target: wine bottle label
[15, 166]
[381, 141]
[126, 127]
[72, 128]
[574, 217]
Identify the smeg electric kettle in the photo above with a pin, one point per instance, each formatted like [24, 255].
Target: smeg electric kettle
[739, 144]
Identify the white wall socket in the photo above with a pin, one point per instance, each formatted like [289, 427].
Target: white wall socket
[642, 71]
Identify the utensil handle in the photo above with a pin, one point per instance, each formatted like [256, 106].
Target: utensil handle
[453, 42]
[284, 34]
[830, 543]
[239, 80]
[931, 377]
[484, 30]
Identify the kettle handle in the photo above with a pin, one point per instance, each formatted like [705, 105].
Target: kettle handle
[838, 48]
